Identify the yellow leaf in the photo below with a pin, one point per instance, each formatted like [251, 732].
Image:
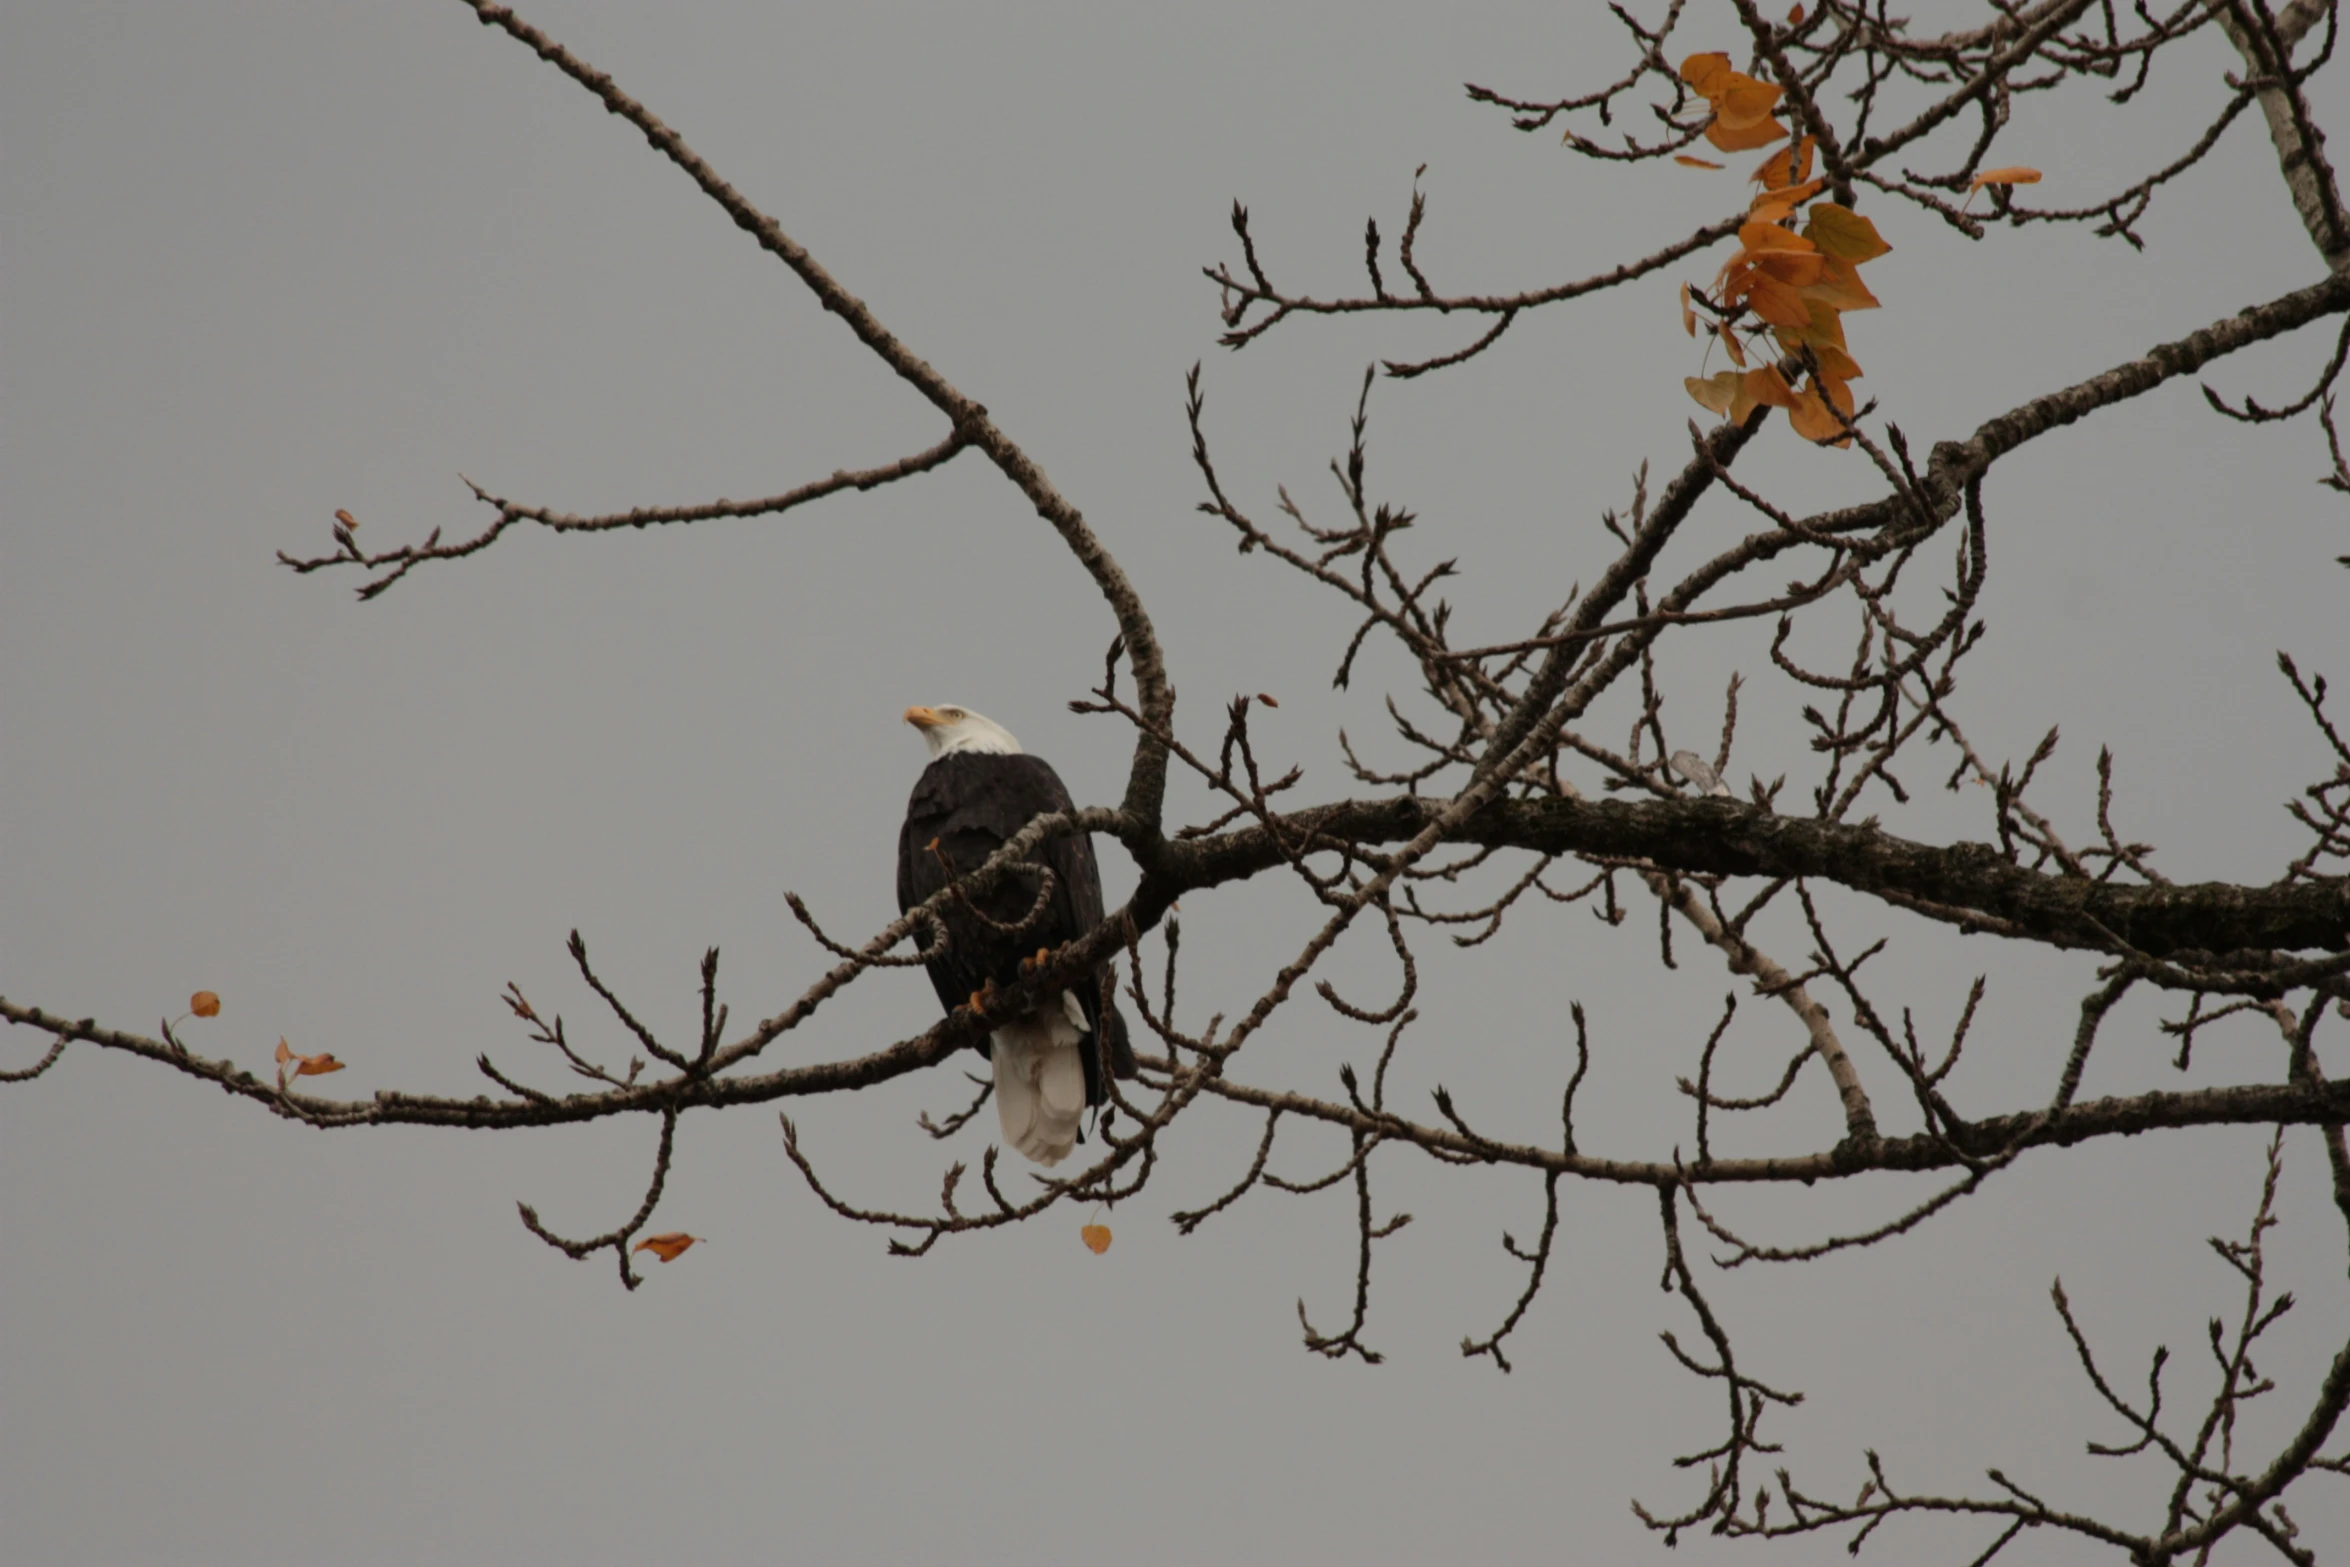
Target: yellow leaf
[1844, 233]
[285, 1052]
[1735, 395]
[204, 1004]
[1096, 1238]
[1823, 330]
[2011, 176]
[666, 1247]
[1688, 162]
[1688, 315]
[1736, 349]
[1714, 393]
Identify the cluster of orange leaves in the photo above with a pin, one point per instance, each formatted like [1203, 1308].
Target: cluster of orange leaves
[1797, 285]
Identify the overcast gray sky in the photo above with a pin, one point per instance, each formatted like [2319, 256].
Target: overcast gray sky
[261, 261]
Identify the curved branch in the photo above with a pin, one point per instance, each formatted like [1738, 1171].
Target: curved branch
[1147, 780]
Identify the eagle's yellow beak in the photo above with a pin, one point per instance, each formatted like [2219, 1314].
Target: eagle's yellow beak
[924, 718]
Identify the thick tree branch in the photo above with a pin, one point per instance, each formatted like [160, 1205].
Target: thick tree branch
[1964, 883]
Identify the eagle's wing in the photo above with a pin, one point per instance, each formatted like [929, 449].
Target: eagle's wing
[1079, 889]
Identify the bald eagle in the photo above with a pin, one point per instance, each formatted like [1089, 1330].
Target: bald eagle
[978, 791]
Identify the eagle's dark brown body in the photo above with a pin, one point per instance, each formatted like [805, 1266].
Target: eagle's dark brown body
[965, 806]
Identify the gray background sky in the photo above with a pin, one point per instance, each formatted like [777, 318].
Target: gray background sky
[263, 261]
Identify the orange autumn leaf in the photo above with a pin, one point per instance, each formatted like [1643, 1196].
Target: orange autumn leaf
[1811, 418]
[1730, 343]
[1776, 302]
[346, 519]
[2009, 176]
[1744, 137]
[1772, 205]
[204, 1004]
[1835, 363]
[667, 1247]
[1763, 387]
[1688, 315]
[1844, 233]
[304, 1066]
[1740, 100]
[1795, 17]
[1769, 236]
[1790, 165]
[1703, 71]
[1769, 273]
[1840, 287]
[1688, 162]
[1736, 281]
[1795, 269]
[1268, 701]
[1096, 1238]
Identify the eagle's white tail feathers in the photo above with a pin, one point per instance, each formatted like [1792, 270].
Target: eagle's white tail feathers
[1040, 1081]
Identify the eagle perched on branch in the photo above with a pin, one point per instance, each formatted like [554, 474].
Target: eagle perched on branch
[978, 791]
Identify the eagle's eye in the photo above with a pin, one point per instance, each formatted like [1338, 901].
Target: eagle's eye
[955, 713]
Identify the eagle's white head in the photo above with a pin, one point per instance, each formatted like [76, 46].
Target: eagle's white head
[947, 729]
